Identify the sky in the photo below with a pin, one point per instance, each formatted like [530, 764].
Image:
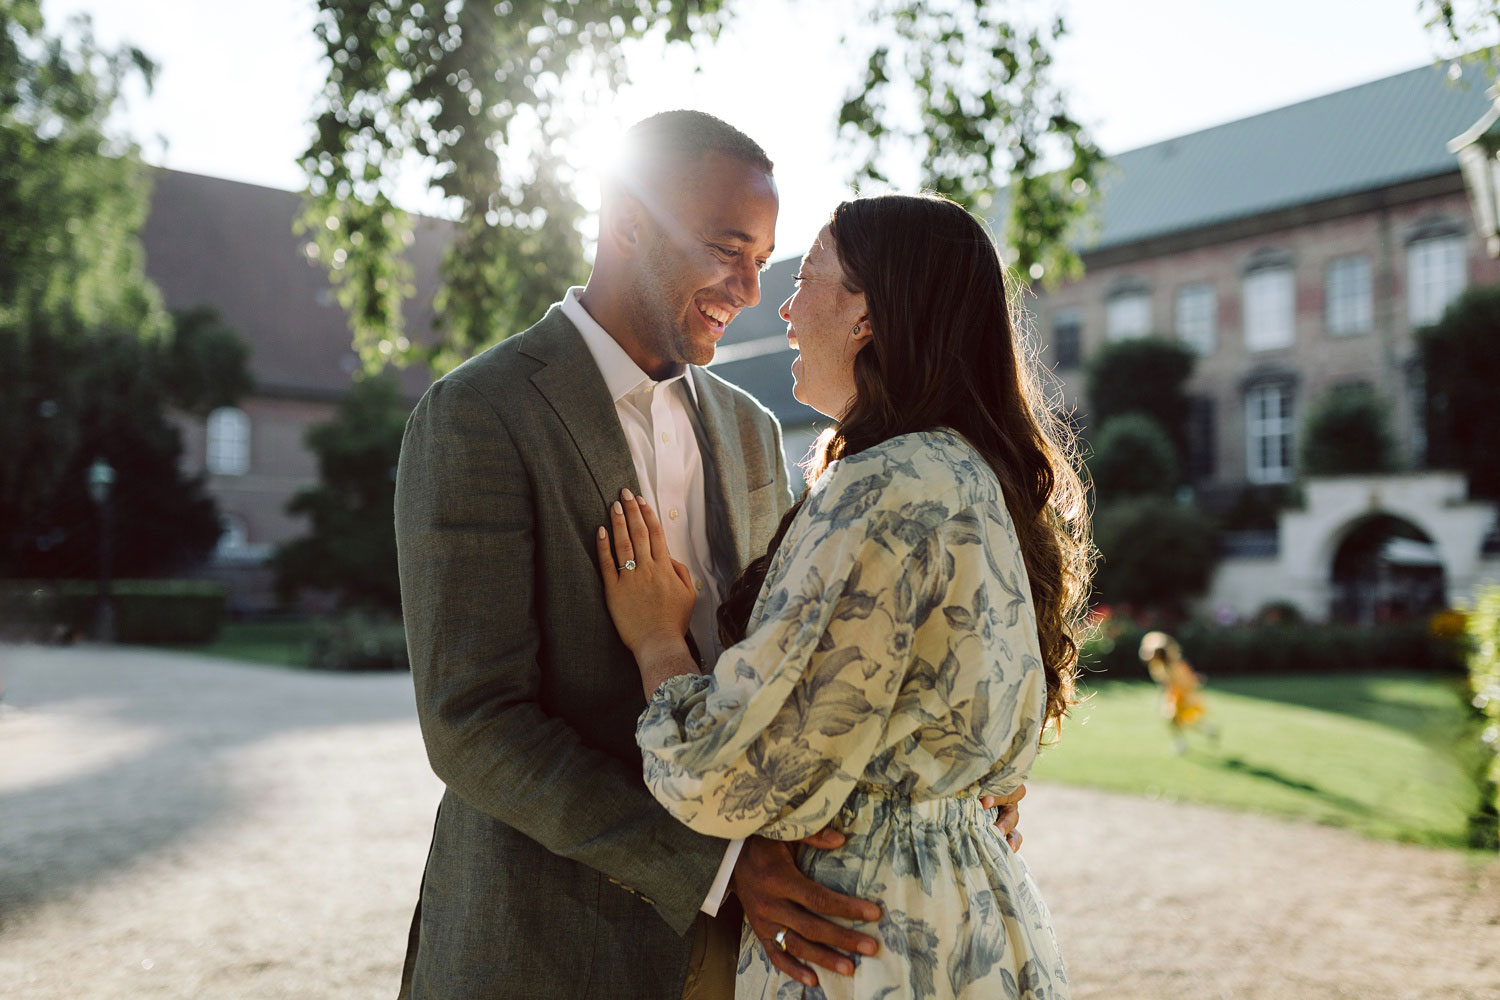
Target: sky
[237, 82]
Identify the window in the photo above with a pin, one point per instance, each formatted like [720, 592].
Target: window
[228, 442]
[1128, 315]
[1268, 433]
[1268, 309]
[1349, 307]
[1067, 339]
[1201, 440]
[1196, 329]
[1435, 273]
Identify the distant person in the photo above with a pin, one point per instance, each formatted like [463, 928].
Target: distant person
[1182, 698]
[899, 649]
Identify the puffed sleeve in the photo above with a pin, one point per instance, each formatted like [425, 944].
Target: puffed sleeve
[773, 741]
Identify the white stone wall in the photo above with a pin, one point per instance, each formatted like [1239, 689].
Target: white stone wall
[1436, 502]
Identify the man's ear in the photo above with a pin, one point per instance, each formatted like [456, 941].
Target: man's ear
[622, 223]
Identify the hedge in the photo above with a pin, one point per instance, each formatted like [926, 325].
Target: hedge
[1484, 688]
[359, 642]
[1280, 648]
[146, 611]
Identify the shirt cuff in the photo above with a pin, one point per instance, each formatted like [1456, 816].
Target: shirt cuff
[720, 887]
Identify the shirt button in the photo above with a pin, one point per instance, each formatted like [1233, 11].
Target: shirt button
[699, 585]
[673, 513]
[665, 436]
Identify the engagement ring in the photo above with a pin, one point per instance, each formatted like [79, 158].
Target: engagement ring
[781, 938]
[629, 564]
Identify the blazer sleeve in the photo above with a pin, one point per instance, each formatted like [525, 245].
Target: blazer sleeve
[465, 535]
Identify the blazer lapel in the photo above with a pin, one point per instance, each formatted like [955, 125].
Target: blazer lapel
[570, 382]
[722, 431]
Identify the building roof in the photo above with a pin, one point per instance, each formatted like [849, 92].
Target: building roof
[229, 245]
[1367, 137]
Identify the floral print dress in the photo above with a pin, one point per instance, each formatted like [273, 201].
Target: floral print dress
[891, 676]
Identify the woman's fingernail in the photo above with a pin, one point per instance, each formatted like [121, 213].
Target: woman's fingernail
[627, 494]
[617, 508]
[602, 532]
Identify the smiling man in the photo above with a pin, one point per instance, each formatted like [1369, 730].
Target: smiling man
[552, 871]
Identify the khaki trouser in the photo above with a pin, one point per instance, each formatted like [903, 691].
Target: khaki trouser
[716, 952]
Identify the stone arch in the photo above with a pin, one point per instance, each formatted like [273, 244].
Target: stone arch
[1382, 566]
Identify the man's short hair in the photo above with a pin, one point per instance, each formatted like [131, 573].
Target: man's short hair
[678, 137]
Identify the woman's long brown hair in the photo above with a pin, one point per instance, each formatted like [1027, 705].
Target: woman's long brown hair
[946, 354]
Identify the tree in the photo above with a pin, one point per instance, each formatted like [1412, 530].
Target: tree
[352, 547]
[1470, 28]
[1154, 554]
[1142, 375]
[1133, 456]
[1461, 363]
[482, 94]
[89, 360]
[107, 394]
[1347, 432]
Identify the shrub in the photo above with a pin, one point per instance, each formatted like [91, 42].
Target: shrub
[1154, 553]
[1280, 649]
[146, 611]
[1133, 456]
[1484, 688]
[1347, 432]
[359, 642]
[1144, 375]
[1461, 366]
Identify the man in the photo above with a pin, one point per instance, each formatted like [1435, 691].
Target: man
[552, 871]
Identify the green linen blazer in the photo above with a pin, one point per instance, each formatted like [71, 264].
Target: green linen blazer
[552, 870]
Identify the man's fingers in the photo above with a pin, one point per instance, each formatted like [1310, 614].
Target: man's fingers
[624, 549]
[821, 899]
[1007, 820]
[1014, 840]
[787, 962]
[825, 839]
[812, 953]
[817, 932]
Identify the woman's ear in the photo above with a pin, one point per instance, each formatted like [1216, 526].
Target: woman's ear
[863, 331]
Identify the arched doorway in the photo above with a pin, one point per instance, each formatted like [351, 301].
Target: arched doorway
[1386, 569]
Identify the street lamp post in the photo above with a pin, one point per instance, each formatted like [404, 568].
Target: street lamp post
[101, 484]
[1478, 152]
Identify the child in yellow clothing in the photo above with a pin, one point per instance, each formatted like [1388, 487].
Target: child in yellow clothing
[1182, 704]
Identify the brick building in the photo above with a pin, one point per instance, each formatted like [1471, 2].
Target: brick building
[229, 245]
[1294, 251]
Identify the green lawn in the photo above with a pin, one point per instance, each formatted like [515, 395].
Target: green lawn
[282, 644]
[1384, 754]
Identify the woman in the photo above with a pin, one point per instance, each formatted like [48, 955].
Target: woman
[899, 650]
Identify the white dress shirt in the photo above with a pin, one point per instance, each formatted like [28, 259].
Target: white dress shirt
[659, 430]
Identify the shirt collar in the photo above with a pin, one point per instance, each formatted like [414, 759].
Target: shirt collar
[622, 376]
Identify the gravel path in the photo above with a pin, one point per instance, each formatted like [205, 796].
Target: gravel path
[177, 827]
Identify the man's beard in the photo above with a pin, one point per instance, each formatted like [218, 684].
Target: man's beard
[654, 301]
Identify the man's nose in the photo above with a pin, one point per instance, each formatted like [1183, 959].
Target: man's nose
[782, 311]
[746, 284]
